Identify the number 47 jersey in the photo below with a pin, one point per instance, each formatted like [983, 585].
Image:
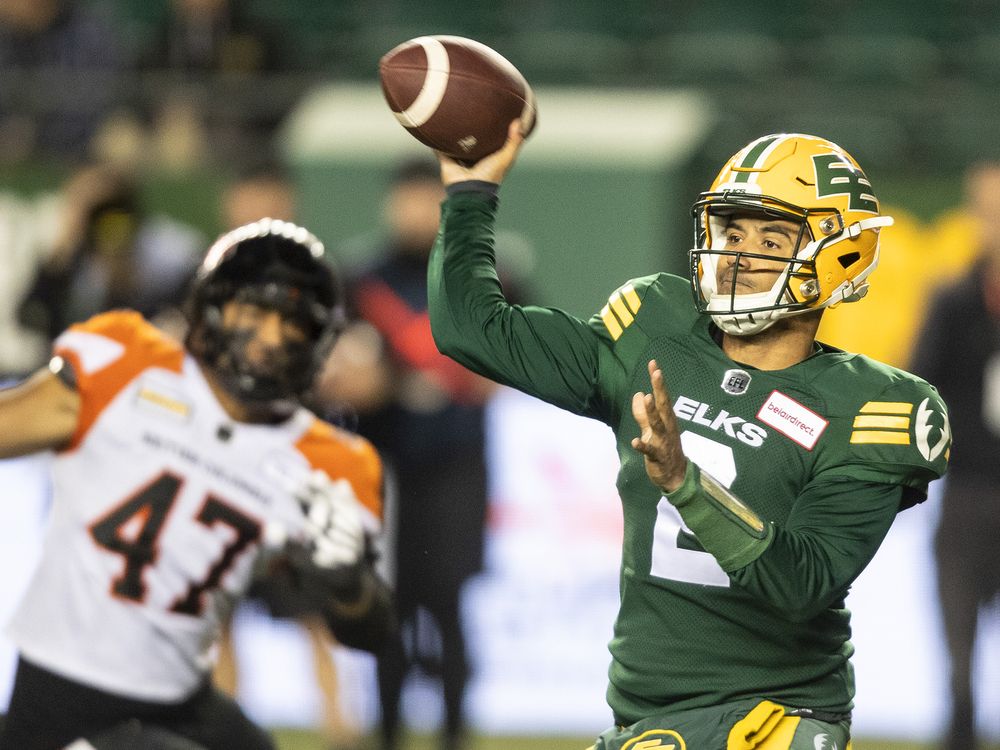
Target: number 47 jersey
[163, 511]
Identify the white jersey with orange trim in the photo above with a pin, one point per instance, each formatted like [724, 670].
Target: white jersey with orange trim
[163, 510]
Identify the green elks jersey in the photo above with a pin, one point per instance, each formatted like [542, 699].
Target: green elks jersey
[825, 452]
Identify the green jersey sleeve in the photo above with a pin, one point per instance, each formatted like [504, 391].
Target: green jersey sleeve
[833, 532]
[899, 436]
[542, 351]
[806, 563]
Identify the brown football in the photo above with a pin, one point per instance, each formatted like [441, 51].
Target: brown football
[456, 95]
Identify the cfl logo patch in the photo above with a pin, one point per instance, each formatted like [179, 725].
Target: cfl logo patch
[735, 382]
[666, 739]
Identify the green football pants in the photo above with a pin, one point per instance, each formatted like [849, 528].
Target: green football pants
[735, 726]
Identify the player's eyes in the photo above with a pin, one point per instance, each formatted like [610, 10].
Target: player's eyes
[293, 332]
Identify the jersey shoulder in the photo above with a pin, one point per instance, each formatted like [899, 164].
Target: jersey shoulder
[345, 455]
[886, 424]
[657, 304]
[106, 353]
[114, 339]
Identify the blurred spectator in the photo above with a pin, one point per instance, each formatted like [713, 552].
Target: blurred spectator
[60, 60]
[28, 228]
[264, 190]
[958, 349]
[267, 191]
[213, 36]
[107, 252]
[211, 61]
[424, 413]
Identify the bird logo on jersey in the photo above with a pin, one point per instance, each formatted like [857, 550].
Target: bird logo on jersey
[923, 430]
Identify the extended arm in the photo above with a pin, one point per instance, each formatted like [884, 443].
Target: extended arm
[542, 351]
[40, 413]
[799, 568]
[334, 565]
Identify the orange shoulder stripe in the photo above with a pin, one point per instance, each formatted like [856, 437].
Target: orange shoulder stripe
[143, 346]
[342, 454]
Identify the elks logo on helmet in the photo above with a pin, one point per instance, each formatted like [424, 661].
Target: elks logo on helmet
[803, 179]
[837, 176]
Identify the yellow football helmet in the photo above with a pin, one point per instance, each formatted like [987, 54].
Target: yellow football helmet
[799, 178]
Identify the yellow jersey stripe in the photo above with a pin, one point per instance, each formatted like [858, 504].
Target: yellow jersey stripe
[611, 323]
[880, 437]
[166, 402]
[631, 298]
[621, 310]
[887, 407]
[891, 423]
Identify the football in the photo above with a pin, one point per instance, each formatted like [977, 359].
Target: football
[456, 95]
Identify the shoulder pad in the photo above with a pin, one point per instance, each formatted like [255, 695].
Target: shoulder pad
[659, 290]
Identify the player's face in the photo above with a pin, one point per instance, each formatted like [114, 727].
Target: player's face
[751, 236]
[262, 340]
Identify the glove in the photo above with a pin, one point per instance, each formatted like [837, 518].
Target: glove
[332, 552]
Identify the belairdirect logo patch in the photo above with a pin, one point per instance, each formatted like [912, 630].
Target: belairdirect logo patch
[735, 382]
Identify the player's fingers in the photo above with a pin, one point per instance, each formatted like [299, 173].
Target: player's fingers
[654, 415]
[514, 132]
[639, 413]
[659, 383]
[641, 447]
[494, 167]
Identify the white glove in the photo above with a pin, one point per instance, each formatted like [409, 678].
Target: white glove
[334, 527]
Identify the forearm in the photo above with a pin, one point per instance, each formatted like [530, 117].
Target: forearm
[542, 351]
[803, 565]
[464, 291]
[727, 529]
[39, 414]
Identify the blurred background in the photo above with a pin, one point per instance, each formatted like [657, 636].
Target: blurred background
[126, 122]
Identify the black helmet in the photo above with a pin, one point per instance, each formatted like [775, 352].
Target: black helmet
[278, 265]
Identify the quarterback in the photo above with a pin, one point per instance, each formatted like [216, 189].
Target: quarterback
[180, 473]
[760, 469]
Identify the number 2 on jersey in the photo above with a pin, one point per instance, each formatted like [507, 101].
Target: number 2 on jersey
[676, 553]
[133, 527]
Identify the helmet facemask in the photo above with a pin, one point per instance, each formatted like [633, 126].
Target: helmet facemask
[792, 291]
[276, 269]
[284, 370]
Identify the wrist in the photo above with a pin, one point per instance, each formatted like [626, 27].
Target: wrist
[473, 186]
[686, 489]
[356, 601]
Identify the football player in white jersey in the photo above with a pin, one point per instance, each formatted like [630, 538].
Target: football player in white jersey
[181, 473]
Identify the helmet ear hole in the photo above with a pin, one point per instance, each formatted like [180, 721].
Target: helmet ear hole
[849, 259]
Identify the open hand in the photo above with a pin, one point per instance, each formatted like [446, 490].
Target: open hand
[659, 439]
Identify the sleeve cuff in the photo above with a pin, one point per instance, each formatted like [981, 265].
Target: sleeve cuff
[473, 186]
[728, 529]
